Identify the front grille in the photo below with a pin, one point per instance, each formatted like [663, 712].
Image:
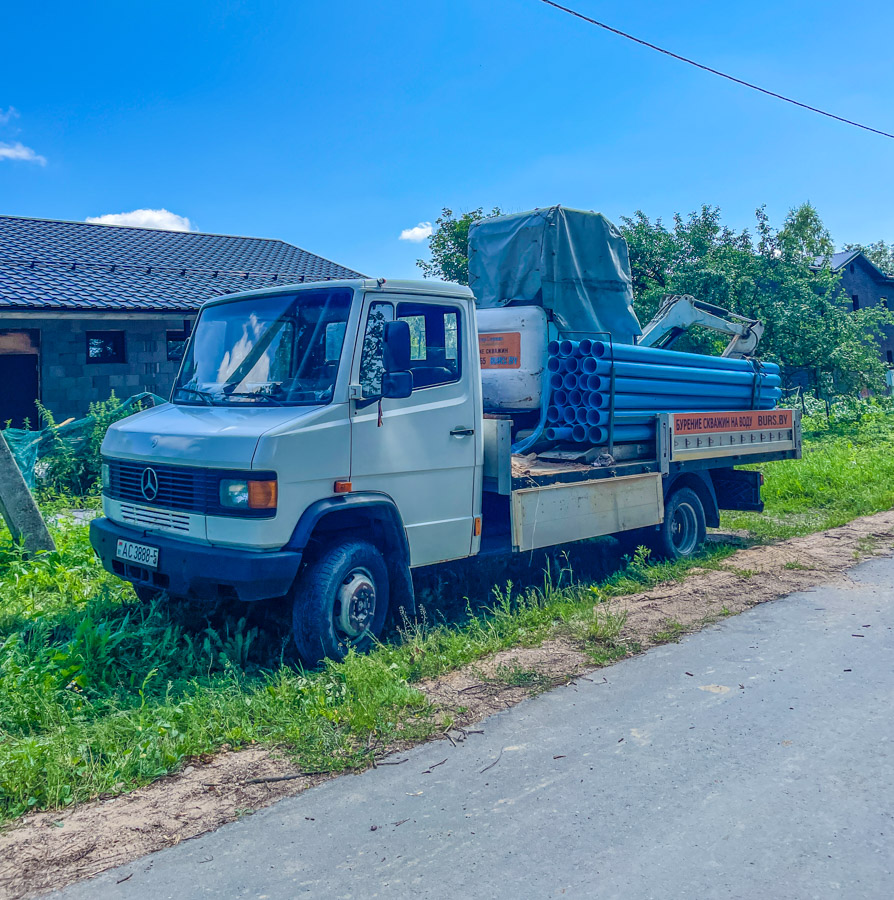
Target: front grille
[180, 488]
[149, 517]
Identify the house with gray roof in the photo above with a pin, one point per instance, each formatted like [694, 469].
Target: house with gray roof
[863, 284]
[88, 309]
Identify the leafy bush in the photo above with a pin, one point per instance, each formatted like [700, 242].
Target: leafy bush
[856, 417]
[70, 461]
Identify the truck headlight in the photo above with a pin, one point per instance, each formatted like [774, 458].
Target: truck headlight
[104, 477]
[248, 493]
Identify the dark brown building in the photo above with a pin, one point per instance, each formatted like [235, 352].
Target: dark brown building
[863, 284]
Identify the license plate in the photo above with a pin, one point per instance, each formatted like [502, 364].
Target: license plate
[138, 553]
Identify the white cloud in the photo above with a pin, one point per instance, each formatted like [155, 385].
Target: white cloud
[417, 233]
[6, 117]
[145, 218]
[20, 152]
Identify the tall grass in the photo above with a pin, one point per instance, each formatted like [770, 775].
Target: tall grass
[847, 470]
[99, 694]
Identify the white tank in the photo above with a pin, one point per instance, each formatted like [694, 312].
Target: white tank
[512, 345]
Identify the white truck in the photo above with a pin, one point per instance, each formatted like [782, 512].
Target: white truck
[324, 439]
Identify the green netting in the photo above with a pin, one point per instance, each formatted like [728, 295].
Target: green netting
[29, 447]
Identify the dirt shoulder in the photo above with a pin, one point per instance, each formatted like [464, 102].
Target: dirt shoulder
[51, 849]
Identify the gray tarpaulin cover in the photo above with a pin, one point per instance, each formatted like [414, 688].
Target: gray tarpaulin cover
[570, 262]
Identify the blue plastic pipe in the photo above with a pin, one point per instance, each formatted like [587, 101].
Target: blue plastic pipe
[599, 400]
[702, 389]
[670, 403]
[576, 433]
[599, 434]
[651, 355]
[589, 365]
[652, 386]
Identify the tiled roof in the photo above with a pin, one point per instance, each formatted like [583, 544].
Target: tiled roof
[54, 265]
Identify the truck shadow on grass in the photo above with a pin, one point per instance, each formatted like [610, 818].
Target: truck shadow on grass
[257, 636]
[451, 593]
[447, 595]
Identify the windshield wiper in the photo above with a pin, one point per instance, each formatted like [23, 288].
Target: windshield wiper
[257, 395]
[204, 395]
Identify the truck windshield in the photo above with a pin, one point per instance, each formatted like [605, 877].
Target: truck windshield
[279, 350]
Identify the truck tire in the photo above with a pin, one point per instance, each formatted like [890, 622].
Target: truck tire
[683, 530]
[340, 602]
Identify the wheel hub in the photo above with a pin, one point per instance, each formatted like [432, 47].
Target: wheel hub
[357, 599]
[684, 529]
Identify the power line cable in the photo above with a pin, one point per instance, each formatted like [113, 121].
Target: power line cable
[698, 65]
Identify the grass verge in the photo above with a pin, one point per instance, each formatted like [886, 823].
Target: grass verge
[846, 471]
[99, 696]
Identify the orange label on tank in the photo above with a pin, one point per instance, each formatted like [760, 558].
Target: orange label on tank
[749, 420]
[500, 351]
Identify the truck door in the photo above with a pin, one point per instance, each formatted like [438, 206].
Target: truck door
[421, 451]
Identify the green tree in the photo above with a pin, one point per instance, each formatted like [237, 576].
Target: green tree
[696, 255]
[810, 329]
[803, 234]
[449, 245]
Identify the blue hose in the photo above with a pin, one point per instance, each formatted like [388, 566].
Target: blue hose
[528, 442]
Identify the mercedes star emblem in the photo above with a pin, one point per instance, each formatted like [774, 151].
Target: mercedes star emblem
[149, 484]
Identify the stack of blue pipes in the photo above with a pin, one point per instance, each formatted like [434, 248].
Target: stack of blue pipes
[647, 381]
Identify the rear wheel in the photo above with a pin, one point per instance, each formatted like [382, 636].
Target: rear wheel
[683, 530]
[340, 602]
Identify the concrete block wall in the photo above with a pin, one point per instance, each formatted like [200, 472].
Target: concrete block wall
[69, 383]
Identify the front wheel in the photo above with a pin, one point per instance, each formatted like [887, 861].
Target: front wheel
[683, 530]
[340, 602]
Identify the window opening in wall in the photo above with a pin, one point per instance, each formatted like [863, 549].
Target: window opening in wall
[855, 300]
[891, 356]
[852, 268]
[105, 347]
[19, 367]
[176, 342]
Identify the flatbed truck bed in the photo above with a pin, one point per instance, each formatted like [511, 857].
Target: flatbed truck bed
[531, 503]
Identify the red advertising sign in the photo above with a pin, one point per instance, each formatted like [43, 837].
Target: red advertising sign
[747, 420]
[500, 351]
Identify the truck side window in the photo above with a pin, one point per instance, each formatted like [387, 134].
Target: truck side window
[372, 366]
[435, 356]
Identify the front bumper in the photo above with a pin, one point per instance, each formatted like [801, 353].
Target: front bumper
[196, 570]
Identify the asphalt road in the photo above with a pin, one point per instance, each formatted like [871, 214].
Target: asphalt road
[752, 760]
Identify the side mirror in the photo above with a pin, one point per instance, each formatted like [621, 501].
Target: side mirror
[397, 381]
[396, 350]
[397, 385]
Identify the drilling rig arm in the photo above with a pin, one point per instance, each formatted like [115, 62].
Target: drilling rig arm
[679, 312]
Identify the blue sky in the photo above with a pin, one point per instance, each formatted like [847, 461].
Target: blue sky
[336, 125]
